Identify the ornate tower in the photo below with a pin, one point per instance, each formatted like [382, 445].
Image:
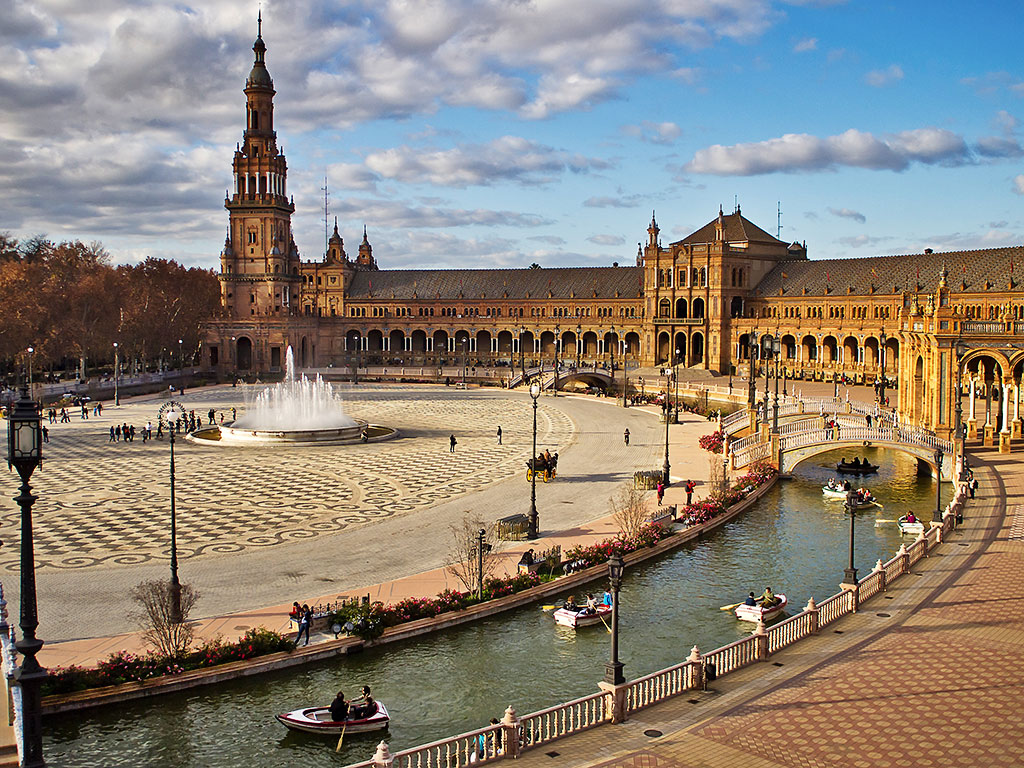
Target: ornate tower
[259, 264]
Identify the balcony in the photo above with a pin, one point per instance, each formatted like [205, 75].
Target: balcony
[679, 321]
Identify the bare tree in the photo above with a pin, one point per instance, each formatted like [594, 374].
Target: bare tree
[156, 597]
[629, 510]
[463, 558]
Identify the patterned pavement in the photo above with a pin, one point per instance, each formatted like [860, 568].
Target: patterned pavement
[929, 675]
[104, 503]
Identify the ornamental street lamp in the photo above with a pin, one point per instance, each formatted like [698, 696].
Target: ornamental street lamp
[579, 346]
[881, 382]
[850, 575]
[613, 669]
[958, 441]
[464, 345]
[24, 453]
[675, 397]
[169, 414]
[752, 350]
[481, 547]
[766, 342]
[668, 384]
[31, 389]
[776, 350]
[937, 515]
[522, 353]
[181, 362]
[554, 386]
[532, 532]
[117, 399]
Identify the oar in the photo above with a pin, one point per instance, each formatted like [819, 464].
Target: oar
[884, 521]
[877, 505]
[551, 607]
[605, 624]
[732, 607]
[342, 737]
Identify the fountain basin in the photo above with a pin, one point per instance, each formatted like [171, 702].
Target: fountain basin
[231, 435]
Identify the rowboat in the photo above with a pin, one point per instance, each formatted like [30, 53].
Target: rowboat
[856, 469]
[581, 618]
[839, 495]
[758, 612]
[318, 720]
[915, 527]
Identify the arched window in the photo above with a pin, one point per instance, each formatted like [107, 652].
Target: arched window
[255, 120]
[664, 308]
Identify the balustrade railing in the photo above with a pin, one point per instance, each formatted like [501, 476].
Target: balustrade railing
[870, 585]
[733, 656]
[789, 631]
[831, 609]
[659, 686]
[555, 722]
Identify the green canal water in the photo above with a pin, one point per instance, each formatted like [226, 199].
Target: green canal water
[456, 680]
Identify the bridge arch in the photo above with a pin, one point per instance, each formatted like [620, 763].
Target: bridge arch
[793, 457]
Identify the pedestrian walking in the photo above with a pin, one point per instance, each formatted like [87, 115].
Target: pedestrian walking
[661, 493]
[625, 436]
[113, 435]
[499, 435]
[211, 415]
[453, 443]
[304, 622]
[46, 434]
[972, 484]
[131, 434]
[690, 485]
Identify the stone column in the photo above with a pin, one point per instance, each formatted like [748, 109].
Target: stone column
[1015, 425]
[990, 428]
[617, 694]
[510, 736]
[1004, 432]
[382, 757]
[760, 641]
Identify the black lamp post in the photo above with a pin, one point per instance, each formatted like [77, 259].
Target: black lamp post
[776, 350]
[31, 388]
[169, 413]
[117, 370]
[958, 442]
[937, 515]
[522, 352]
[613, 669]
[579, 346]
[481, 547]
[850, 576]
[752, 350]
[554, 386]
[181, 360]
[881, 382]
[464, 345]
[668, 384]
[766, 343]
[532, 531]
[24, 453]
[675, 394]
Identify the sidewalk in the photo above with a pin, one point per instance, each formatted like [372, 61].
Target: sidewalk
[927, 675]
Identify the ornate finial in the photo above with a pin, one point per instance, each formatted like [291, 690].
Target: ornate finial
[364, 234]
[259, 22]
[720, 212]
[336, 225]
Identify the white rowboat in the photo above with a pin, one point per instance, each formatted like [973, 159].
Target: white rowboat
[758, 612]
[915, 527]
[318, 720]
[581, 618]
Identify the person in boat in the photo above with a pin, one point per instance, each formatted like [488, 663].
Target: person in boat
[846, 485]
[768, 598]
[911, 517]
[570, 603]
[339, 708]
[831, 483]
[751, 600]
[591, 603]
[607, 599]
[367, 709]
[856, 461]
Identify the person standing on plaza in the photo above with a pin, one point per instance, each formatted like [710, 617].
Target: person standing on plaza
[452, 443]
[131, 433]
[46, 434]
[625, 436]
[113, 435]
[499, 434]
[304, 621]
[690, 485]
[661, 493]
[211, 416]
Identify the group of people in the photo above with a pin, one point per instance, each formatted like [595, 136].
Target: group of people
[591, 607]
[545, 462]
[766, 600]
[857, 462]
[861, 494]
[359, 708]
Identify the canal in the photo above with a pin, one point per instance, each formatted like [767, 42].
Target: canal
[456, 680]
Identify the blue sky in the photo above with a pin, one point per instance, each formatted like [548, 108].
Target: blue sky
[484, 133]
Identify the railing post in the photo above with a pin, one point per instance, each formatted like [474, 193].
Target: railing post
[382, 757]
[617, 695]
[812, 615]
[510, 733]
[854, 590]
[921, 537]
[760, 641]
[904, 558]
[880, 568]
[697, 667]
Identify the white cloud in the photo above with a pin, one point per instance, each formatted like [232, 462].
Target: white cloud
[999, 147]
[846, 213]
[1018, 184]
[807, 44]
[507, 159]
[620, 201]
[879, 78]
[803, 152]
[606, 239]
[387, 213]
[654, 133]
[862, 241]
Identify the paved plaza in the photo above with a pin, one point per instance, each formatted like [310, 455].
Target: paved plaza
[262, 527]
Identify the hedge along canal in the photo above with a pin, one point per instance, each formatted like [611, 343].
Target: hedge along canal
[440, 684]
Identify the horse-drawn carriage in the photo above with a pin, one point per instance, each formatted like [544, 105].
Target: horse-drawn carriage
[544, 465]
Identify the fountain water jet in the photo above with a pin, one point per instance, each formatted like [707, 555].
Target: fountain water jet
[297, 410]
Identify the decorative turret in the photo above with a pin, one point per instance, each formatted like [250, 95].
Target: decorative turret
[365, 258]
[336, 246]
[652, 231]
[720, 226]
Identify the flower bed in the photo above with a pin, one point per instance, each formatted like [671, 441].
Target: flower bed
[713, 442]
[717, 503]
[580, 557]
[124, 667]
[370, 621]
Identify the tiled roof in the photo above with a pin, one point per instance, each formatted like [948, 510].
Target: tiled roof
[475, 284]
[737, 230]
[967, 272]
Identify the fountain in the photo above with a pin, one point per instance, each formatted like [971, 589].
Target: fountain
[297, 410]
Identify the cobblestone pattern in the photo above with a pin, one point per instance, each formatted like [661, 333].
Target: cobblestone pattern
[104, 503]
